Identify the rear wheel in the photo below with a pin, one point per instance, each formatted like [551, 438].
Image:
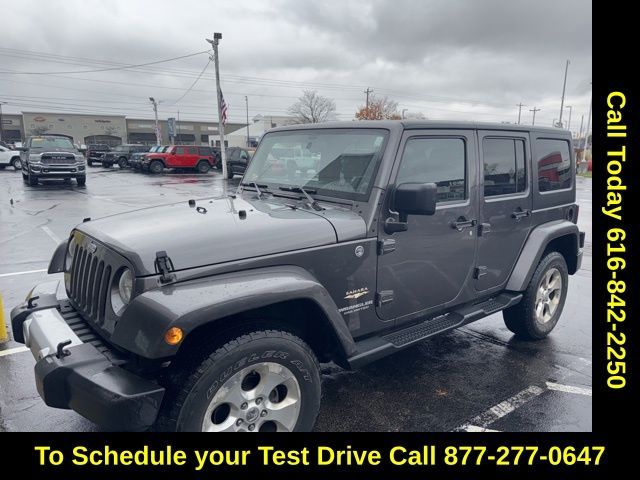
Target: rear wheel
[541, 306]
[156, 166]
[203, 166]
[16, 163]
[264, 381]
[122, 162]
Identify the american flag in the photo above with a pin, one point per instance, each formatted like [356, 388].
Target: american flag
[223, 109]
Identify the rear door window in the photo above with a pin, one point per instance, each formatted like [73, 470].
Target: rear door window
[504, 166]
[554, 164]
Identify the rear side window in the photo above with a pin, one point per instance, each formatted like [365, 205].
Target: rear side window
[504, 166]
[204, 150]
[193, 151]
[436, 160]
[554, 164]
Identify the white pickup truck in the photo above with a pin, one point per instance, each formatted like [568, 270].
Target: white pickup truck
[9, 157]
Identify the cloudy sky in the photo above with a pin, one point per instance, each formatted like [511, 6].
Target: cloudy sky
[456, 59]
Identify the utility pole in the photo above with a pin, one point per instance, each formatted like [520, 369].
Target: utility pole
[223, 154]
[178, 129]
[586, 132]
[246, 102]
[581, 124]
[1, 121]
[534, 110]
[564, 87]
[520, 105]
[570, 107]
[367, 92]
[155, 112]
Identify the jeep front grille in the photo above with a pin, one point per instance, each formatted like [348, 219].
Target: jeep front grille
[89, 284]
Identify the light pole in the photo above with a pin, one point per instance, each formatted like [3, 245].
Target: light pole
[246, 102]
[155, 112]
[570, 107]
[564, 87]
[586, 132]
[1, 121]
[223, 154]
[520, 105]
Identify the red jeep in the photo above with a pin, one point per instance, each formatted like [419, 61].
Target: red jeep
[202, 159]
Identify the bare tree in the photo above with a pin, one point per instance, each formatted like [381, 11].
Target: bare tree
[380, 108]
[312, 107]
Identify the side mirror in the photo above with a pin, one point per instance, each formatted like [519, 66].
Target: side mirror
[412, 199]
[173, 152]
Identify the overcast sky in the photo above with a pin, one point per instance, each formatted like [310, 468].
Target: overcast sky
[456, 59]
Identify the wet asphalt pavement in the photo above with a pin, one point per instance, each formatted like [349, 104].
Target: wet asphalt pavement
[478, 377]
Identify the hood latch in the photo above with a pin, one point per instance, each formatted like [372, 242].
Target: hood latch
[164, 266]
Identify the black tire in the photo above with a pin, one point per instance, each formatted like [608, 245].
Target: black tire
[33, 180]
[203, 166]
[2, 167]
[123, 162]
[521, 319]
[25, 177]
[196, 380]
[89, 162]
[156, 167]
[81, 181]
[229, 172]
[16, 163]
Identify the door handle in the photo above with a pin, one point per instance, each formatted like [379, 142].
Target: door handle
[461, 223]
[519, 214]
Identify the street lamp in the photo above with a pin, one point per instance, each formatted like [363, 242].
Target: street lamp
[570, 107]
[155, 111]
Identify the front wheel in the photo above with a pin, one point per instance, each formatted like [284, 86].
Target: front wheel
[16, 163]
[229, 172]
[541, 306]
[122, 163]
[89, 162]
[203, 166]
[264, 381]
[81, 181]
[156, 167]
[33, 180]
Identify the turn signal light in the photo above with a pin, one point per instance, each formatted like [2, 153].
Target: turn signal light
[173, 336]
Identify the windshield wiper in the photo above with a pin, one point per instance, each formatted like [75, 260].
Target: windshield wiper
[257, 186]
[310, 199]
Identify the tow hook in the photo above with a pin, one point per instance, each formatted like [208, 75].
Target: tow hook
[60, 350]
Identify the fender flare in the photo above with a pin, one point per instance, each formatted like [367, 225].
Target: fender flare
[536, 243]
[56, 264]
[194, 303]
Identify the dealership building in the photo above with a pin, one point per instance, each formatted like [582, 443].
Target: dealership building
[110, 129]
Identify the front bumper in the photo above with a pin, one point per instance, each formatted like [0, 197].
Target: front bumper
[52, 171]
[76, 370]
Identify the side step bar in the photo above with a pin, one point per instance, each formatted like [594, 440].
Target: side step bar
[374, 348]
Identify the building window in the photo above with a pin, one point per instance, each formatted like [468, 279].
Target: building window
[436, 160]
[554, 164]
[204, 138]
[504, 166]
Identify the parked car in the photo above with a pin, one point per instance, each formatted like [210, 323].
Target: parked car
[95, 152]
[213, 314]
[238, 159]
[48, 157]
[121, 155]
[9, 157]
[135, 161]
[201, 159]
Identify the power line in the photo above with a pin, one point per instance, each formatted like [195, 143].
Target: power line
[123, 67]
[193, 84]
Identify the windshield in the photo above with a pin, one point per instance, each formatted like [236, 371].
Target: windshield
[44, 143]
[338, 162]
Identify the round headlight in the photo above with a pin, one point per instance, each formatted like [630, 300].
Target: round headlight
[125, 286]
[71, 251]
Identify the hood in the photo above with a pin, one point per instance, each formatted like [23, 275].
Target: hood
[215, 231]
[38, 151]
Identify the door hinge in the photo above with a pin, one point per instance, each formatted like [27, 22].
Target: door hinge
[385, 296]
[386, 245]
[479, 272]
[164, 266]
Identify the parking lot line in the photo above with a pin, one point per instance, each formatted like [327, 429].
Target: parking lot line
[503, 408]
[52, 235]
[569, 389]
[11, 351]
[22, 273]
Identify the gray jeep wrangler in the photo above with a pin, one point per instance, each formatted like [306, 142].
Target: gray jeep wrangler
[213, 314]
